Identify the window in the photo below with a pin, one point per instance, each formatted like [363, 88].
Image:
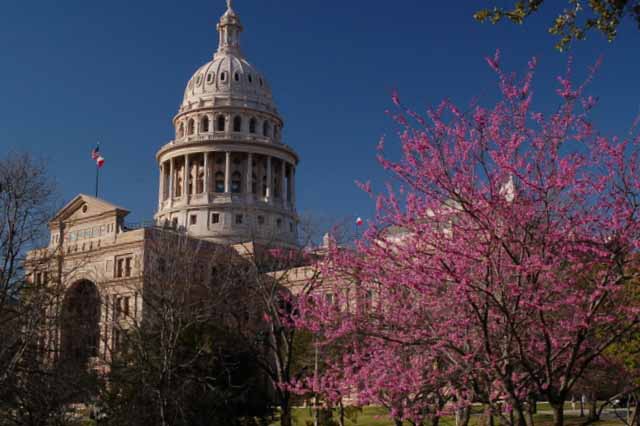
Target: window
[193, 219]
[260, 220]
[123, 266]
[250, 78]
[223, 76]
[237, 77]
[239, 219]
[219, 182]
[210, 77]
[254, 184]
[191, 127]
[237, 124]
[199, 80]
[125, 305]
[291, 227]
[252, 125]
[279, 223]
[236, 182]
[266, 129]
[215, 218]
[261, 82]
[174, 223]
[204, 124]
[220, 123]
[127, 267]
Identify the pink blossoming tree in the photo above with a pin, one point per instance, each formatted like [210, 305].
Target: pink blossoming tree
[497, 268]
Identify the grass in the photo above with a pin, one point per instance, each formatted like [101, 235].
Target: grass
[378, 416]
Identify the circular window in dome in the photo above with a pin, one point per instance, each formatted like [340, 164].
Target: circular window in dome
[85, 208]
[199, 80]
[250, 78]
[210, 77]
[237, 77]
[223, 76]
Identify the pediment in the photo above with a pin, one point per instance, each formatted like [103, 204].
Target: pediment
[84, 207]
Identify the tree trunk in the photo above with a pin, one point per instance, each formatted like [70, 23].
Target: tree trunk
[397, 422]
[593, 408]
[558, 413]
[285, 415]
[462, 416]
[341, 408]
[435, 420]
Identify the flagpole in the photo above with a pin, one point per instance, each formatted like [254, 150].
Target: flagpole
[97, 178]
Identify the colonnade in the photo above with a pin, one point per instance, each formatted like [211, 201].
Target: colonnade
[267, 178]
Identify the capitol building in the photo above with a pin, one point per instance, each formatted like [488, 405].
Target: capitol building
[227, 179]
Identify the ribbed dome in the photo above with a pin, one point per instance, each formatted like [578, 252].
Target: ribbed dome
[228, 75]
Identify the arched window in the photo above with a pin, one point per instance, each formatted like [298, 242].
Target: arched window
[236, 182]
[250, 78]
[252, 125]
[266, 129]
[237, 77]
[275, 132]
[223, 76]
[220, 123]
[199, 179]
[237, 124]
[220, 182]
[191, 127]
[204, 124]
[181, 130]
[210, 77]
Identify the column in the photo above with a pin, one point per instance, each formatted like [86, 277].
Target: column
[269, 179]
[206, 174]
[283, 182]
[248, 181]
[172, 172]
[161, 187]
[227, 173]
[185, 178]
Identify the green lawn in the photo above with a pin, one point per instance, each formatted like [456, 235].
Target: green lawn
[377, 416]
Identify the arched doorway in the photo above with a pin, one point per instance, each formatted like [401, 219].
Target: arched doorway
[81, 323]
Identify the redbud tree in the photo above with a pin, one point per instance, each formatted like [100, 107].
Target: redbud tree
[498, 265]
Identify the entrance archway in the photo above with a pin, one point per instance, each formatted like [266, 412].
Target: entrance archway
[81, 323]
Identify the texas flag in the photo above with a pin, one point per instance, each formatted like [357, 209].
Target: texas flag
[95, 155]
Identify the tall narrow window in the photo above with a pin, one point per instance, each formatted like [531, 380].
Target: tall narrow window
[236, 182]
[254, 184]
[252, 125]
[237, 124]
[237, 77]
[220, 123]
[220, 182]
[181, 130]
[204, 124]
[191, 127]
[266, 129]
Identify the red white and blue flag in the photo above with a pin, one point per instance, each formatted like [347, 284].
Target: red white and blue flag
[97, 157]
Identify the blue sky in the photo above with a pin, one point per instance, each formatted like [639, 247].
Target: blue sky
[76, 71]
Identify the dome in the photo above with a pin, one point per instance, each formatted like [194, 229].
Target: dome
[228, 76]
[227, 176]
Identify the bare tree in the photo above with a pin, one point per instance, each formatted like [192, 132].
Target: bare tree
[178, 363]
